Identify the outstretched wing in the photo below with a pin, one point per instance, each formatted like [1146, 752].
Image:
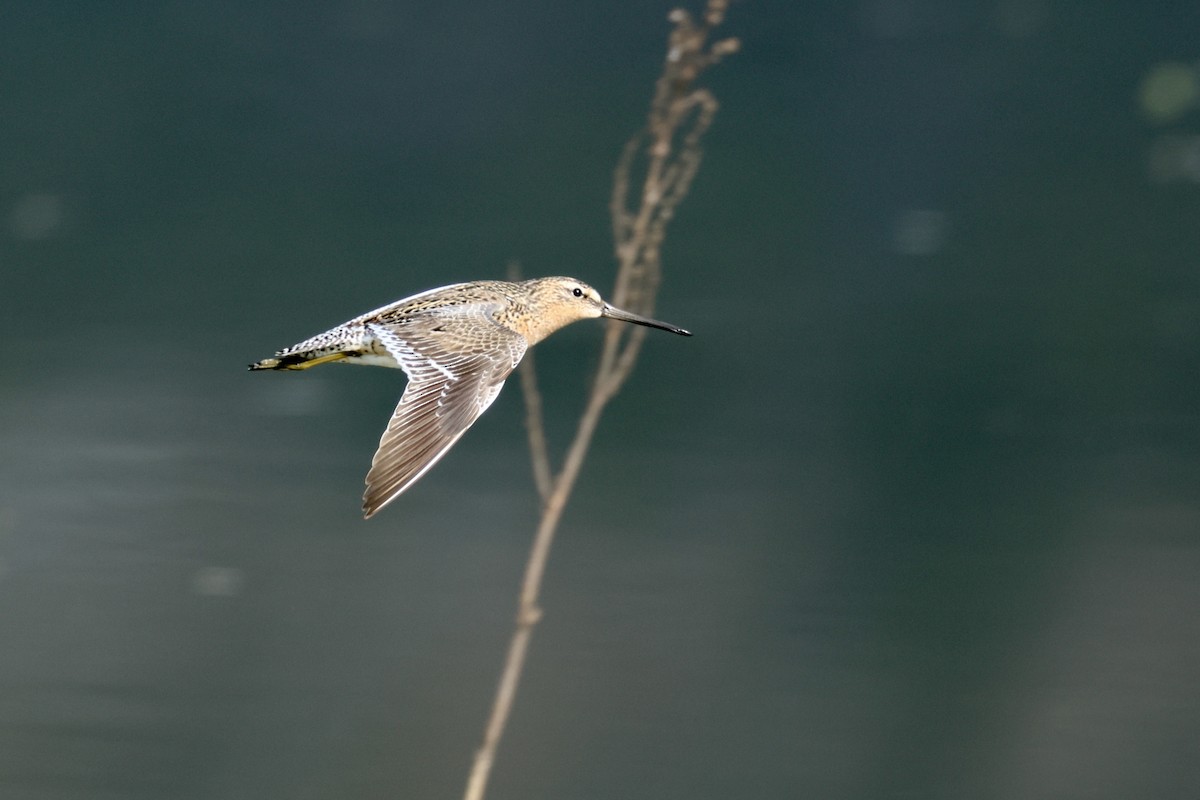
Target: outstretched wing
[456, 367]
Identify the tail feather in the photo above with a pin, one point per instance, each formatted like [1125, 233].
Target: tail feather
[297, 361]
[344, 341]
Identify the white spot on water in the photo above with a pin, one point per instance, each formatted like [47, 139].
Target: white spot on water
[36, 216]
[218, 581]
[1020, 19]
[919, 232]
[1169, 90]
[1174, 158]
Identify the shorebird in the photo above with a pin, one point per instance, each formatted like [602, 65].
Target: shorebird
[457, 345]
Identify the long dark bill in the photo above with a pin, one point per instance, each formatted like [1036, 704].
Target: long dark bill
[616, 313]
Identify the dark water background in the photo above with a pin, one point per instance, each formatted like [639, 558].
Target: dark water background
[915, 514]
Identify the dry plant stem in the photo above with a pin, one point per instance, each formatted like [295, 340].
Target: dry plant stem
[528, 612]
[536, 428]
[534, 420]
[679, 116]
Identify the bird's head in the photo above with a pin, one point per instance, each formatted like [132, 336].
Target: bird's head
[557, 302]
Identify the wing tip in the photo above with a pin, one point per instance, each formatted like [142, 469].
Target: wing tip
[372, 504]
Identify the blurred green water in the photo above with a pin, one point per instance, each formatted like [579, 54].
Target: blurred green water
[914, 513]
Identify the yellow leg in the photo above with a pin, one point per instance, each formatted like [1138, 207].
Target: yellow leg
[315, 361]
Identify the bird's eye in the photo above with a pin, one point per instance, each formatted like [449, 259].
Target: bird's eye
[577, 292]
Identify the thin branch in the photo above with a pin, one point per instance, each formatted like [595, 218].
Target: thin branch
[535, 424]
[506, 693]
[678, 113]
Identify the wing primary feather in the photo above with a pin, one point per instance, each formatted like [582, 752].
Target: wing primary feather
[452, 381]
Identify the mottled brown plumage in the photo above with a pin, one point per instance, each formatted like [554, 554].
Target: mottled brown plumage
[457, 344]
